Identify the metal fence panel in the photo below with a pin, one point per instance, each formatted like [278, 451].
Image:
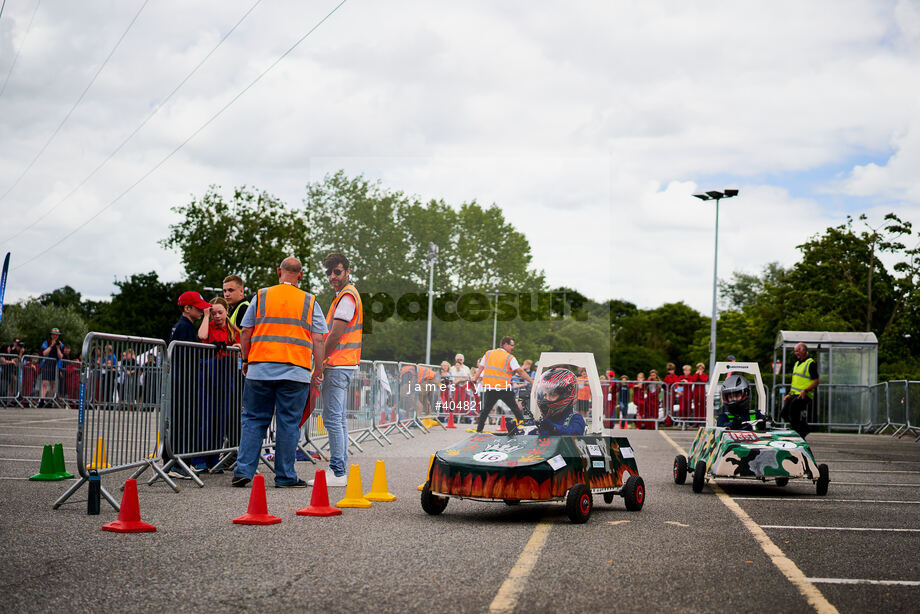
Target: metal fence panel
[203, 388]
[9, 379]
[118, 423]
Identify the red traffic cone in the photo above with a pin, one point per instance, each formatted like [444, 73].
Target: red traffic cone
[502, 426]
[450, 421]
[129, 516]
[258, 507]
[319, 501]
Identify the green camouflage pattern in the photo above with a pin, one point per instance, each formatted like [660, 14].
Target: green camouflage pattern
[529, 467]
[752, 454]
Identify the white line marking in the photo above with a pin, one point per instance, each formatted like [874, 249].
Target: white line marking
[917, 472]
[22, 435]
[903, 484]
[26, 460]
[864, 581]
[881, 529]
[507, 597]
[73, 419]
[821, 500]
[812, 595]
[13, 445]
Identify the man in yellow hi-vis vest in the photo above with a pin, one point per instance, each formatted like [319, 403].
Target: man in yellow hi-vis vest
[345, 321]
[805, 380]
[283, 352]
[496, 368]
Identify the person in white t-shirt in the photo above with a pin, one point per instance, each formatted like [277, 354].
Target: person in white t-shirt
[459, 372]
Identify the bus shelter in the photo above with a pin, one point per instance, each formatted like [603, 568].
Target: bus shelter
[847, 366]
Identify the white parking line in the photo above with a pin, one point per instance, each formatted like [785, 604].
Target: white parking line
[879, 529]
[786, 566]
[510, 591]
[864, 581]
[14, 445]
[901, 485]
[821, 500]
[24, 435]
[915, 472]
[24, 460]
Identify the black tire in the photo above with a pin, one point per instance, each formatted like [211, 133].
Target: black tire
[824, 479]
[634, 493]
[578, 504]
[782, 481]
[608, 498]
[512, 502]
[699, 476]
[680, 469]
[432, 503]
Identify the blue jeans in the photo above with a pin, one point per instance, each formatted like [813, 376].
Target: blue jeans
[261, 399]
[335, 389]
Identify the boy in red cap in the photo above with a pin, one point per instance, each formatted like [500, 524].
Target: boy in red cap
[193, 307]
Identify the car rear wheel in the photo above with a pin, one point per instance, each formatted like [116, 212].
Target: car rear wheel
[634, 493]
[432, 503]
[578, 504]
[680, 469]
[782, 481]
[824, 479]
[699, 476]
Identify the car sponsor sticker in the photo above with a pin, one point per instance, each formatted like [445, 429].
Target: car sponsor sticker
[490, 456]
[597, 464]
[627, 452]
[557, 462]
[594, 450]
[784, 445]
[742, 436]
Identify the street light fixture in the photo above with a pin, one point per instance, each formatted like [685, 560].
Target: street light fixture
[432, 258]
[716, 196]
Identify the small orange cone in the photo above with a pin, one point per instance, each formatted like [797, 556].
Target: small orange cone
[450, 421]
[354, 492]
[430, 463]
[502, 426]
[379, 491]
[129, 516]
[258, 507]
[319, 501]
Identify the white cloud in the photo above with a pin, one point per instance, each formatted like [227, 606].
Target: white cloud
[591, 125]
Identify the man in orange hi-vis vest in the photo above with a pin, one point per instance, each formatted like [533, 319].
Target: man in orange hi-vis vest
[496, 368]
[282, 340]
[345, 321]
[583, 404]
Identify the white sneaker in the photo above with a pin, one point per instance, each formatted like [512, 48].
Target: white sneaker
[333, 481]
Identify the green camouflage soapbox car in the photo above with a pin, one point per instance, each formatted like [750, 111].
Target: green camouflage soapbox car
[499, 467]
[768, 454]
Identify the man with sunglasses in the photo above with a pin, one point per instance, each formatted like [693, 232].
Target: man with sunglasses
[345, 320]
[496, 369]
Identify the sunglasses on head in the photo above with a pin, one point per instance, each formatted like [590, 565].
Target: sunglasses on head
[335, 272]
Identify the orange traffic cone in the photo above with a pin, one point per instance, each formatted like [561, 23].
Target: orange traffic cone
[502, 426]
[354, 492]
[129, 516]
[319, 501]
[258, 507]
[450, 421]
[430, 463]
[379, 491]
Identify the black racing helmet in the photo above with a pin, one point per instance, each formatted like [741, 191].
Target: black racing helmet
[556, 392]
[736, 394]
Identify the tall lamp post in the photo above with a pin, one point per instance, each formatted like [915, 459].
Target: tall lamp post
[432, 258]
[495, 319]
[716, 196]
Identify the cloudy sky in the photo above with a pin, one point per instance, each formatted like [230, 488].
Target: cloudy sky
[591, 125]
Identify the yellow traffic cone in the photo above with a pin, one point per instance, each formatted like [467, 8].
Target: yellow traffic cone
[320, 429]
[430, 463]
[154, 453]
[379, 491]
[354, 492]
[99, 461]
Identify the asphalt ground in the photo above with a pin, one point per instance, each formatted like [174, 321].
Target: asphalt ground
[785, 551]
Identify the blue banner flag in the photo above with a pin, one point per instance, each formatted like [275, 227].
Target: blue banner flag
[6, 268]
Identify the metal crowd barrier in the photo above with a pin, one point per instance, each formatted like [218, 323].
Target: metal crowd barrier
[386, 400]
[461, 400]
[358, 408]
[9, 379]
[407, 404]
[117, 424]
[68, 384]
[429, 395]
[202, 403]
[642, 404]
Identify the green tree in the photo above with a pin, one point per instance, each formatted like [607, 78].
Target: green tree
[248, 234]
[143, 306]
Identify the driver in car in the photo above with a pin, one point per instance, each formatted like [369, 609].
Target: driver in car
[736, 406]
[556, 392]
